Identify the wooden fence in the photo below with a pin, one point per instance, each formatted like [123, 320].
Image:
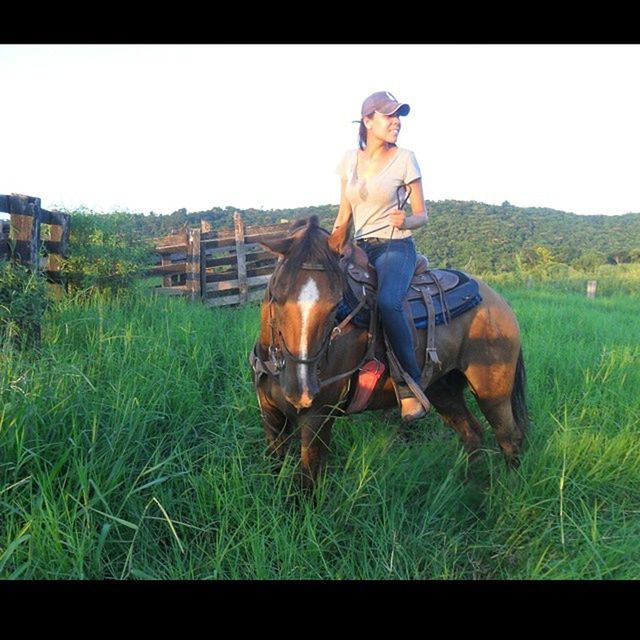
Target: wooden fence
[221, 267]
[23, 239]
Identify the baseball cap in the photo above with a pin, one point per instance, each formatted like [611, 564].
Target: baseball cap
[385, 103]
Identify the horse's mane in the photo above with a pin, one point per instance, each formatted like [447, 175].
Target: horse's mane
[310, 246]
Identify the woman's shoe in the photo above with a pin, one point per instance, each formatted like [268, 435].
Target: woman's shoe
[411, 409]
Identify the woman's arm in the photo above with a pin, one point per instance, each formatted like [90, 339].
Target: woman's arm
[419, 216]
[344, 211]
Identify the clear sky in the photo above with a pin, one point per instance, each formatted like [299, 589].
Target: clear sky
[160, 127]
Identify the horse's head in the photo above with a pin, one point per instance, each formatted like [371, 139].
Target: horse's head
[300, 305]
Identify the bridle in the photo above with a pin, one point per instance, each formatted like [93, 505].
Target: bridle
[279, 353]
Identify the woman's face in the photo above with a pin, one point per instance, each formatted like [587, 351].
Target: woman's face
[385, 128]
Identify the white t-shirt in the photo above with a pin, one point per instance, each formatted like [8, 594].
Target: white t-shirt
[374, 198]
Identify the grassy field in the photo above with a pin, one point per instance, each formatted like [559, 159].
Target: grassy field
[131, 447]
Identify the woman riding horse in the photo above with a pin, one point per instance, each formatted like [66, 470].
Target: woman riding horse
[371, 179]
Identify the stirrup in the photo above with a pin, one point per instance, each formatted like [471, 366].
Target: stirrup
[368, 376]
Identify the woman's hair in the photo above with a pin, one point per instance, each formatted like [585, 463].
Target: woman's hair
[362, 133]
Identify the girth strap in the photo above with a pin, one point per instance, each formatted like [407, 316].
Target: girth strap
[431, 355]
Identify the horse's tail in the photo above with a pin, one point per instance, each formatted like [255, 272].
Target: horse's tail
[518, 396]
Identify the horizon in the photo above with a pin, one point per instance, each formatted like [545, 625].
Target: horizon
[312, 206]
[82, 209]
[160, 128]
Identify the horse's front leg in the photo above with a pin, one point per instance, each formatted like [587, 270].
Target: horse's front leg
[315, 439]
[277, 428]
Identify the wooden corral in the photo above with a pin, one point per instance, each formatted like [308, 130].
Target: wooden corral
[218, 267]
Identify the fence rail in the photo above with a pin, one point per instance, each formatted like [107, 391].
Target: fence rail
[22, 237]
[221, 267]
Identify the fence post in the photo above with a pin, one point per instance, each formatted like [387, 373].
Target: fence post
[591, 289]
[194, 277]
[5, 230]
[59, 235]
[205, 228]
[25, 214]
[25, 228]
[241, 258]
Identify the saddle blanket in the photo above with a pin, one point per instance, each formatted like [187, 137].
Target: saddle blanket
[463, 297]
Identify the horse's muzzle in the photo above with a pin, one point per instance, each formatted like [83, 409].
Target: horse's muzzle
[299, 391]
[303, 401]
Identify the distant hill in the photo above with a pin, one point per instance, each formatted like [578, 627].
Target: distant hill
[467, 234]
[488, 237]
[482, 237]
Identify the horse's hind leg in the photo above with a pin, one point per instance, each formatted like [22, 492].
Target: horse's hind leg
[509, 436]
[447, 396]
[493, 394]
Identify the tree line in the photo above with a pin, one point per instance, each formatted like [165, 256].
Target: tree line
[469, 235]
[496, 237]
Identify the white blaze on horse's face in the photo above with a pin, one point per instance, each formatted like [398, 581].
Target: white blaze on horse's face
[308, 298]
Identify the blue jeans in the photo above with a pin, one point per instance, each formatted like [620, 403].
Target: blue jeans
[395, 262]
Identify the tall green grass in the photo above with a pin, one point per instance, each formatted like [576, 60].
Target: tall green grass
[610, 279]
[131, 447]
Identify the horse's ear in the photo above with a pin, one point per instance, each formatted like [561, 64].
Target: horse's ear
[279, 246]
[339, 238]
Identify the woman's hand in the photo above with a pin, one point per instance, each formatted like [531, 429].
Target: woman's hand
[400, 220]
[419, 216]
[397, 218]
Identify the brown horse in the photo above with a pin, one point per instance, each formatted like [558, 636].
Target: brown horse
[304, 370]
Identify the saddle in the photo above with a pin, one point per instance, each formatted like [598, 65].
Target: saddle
[360, 273]
[435, 296]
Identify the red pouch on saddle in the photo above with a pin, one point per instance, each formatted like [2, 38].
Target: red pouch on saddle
[369, 374]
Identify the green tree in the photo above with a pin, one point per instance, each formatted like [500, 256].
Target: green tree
[107, 251]
[589, 260]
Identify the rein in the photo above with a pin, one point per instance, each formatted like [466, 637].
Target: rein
[401, 207]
